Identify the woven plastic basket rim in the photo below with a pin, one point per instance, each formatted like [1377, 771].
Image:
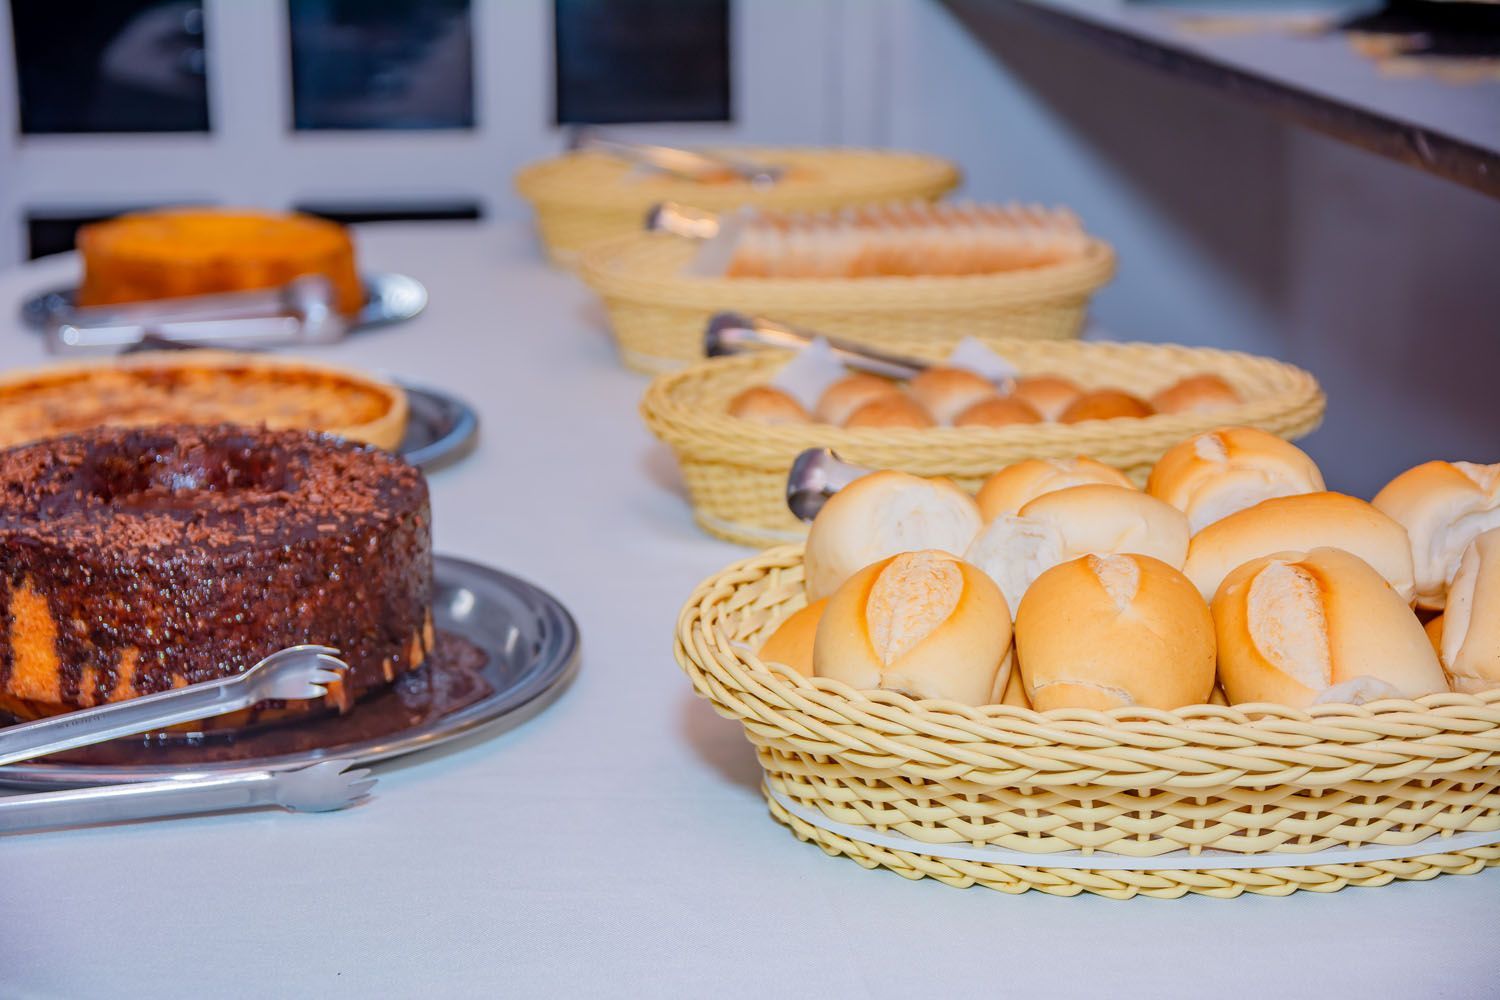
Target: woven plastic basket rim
[551, 181]
[646, 267]
[696, 433]
[1191, 747]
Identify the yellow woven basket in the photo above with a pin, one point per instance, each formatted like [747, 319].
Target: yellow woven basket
[584, 198]
[1209, 799]
[657, 313]
[736, 470]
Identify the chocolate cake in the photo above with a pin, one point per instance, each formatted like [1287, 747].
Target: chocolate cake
[134, 560]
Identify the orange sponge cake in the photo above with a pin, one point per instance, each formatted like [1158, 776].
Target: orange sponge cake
[178, 252]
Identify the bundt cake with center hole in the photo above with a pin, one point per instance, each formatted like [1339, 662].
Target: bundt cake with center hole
[136, 560]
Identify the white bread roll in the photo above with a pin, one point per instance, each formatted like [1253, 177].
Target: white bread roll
[1049, 395]
[842, 398]
[997, 411]
[764, 404]
[1196, 394]
[894, 410]
[1109, 631]
[923, 623]
[792, 642]
[946, 392]
[1212, 475]
[1296, 628]
[1016, 485]
[1297, 524]
[880, 515]
[1471, 625]
[1012, 691]
[1443, 506]
[1056, 527]
[1434, 630]
[1105, 404]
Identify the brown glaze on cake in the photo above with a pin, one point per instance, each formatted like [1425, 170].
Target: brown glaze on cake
[134, 560]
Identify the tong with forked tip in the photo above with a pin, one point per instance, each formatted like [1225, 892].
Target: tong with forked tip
[291, 674]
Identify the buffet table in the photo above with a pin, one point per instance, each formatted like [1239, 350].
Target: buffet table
[616, 844]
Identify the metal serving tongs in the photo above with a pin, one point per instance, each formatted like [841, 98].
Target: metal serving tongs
[291, 674]
[816, 475]
[298, 313]
[734, 333]
[682, 220]
[688, 164]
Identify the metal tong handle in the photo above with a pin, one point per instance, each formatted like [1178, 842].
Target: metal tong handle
[682, 220]
[816, 475]
[294, 673]
[317, 788]
[734, 333]
[300, 312]
[688, 164]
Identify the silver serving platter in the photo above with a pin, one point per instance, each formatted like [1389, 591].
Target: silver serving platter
[529, 636]
[389, 298]
[440, 428]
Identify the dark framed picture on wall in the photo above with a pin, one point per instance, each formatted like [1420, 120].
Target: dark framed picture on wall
[642, 61]
[391, 64]
[122, 66]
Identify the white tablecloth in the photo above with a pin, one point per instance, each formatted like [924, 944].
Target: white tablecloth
[617, 845]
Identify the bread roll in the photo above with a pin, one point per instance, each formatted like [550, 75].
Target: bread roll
[1297, 524]
[1443, 506]
[946, 392]
[922, 623]
[1471, 625]
[1114, 630]
[1293, 625]
[1014, 691]
[765, 404]
[997, 411]
[1434, 630]
[1049, 395]
[1016, 485]
[1212, 475]
[842, 398]
[1065, 524]
[880, 515]
[894, 410]
[1196, 394]
[792, 642]
[1105, 404]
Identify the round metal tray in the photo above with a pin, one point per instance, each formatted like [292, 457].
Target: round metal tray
[531, 642]
[440, 428]
[389, 298]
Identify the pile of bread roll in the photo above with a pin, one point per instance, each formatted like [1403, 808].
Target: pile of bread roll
[1233, 577]
[909, 239]
[956, 397]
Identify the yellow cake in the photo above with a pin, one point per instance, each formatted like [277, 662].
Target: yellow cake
[200, 251]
